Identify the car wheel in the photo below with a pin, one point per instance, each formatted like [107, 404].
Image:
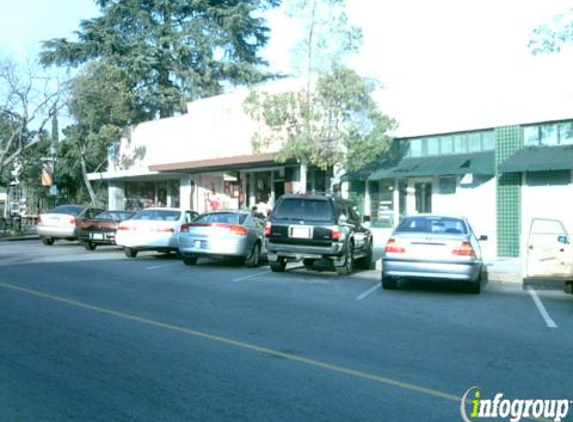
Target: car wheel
[189, 260]
[365, 263]
[130, 252]
[278, 266]
[389, 283]
[308, 263]
[348, 266]
[255, 257]
[48, 241]
[90, 246]
[475, 286]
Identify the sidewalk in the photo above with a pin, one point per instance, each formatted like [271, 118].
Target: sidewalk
[505, 270]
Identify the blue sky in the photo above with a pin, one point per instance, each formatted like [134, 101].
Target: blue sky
[424, 52]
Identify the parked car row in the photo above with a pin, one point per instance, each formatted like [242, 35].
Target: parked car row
[322, 231]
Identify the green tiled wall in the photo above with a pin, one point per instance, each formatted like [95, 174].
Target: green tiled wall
[508, 140]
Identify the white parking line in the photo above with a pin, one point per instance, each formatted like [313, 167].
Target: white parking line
[250, 276]
[369, 291]
[155, 267]
[550, 323]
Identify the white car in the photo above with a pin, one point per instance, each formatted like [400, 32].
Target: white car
[152, 229]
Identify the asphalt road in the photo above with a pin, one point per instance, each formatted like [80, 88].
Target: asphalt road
[94, 336]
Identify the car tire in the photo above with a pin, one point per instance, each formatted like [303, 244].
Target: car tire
[89, 246]
[278, 266]
[365, 263]
[48, 241]
[189, 260]
[130, 252]
[348, 266]
[254, 259]
[475, 286]
[389, 283]
[308, 263]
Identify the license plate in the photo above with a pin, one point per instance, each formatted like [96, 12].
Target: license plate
[96, 236]
[197, 244]
[300, 232]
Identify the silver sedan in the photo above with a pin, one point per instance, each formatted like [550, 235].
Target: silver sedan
[238, 234]
[433, 247]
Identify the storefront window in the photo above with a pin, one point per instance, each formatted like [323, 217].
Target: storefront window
[383, 205]
[173, 189]
[139, 195]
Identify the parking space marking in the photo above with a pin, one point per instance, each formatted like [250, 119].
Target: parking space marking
[247, 277]
[155, 267]
[369, 291]
[548, 320]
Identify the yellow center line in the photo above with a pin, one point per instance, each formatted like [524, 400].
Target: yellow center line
[244, 345]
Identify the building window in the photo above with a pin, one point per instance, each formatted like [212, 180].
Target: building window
[415, 147]
[545, 178]
[549, 135]
[447, 145]
[488, 140]
[433, 146]
[565, 133]
[460, 144]
[474, 142]
[447, 185]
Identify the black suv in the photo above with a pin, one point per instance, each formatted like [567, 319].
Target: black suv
[315, 228]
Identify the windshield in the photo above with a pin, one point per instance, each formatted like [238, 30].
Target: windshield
[222, 217]
[161, 215]
[68, 209]
[432, 225]
[304, 209]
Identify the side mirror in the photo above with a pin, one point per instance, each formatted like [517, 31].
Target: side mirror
[482, 237]
[366, 219]
[563, 239]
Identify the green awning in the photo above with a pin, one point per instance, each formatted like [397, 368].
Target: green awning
[440, 165]
[539, 159]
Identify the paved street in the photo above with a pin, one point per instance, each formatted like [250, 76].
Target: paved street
[94, 336]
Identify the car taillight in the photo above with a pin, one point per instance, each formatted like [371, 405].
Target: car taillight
[268, 228]
[163, 230]
[238, 230]
[393, 247]
[39, 219]
[335, 233]
[73, 222]
[125, 228]
[184, 228]
[465, 249]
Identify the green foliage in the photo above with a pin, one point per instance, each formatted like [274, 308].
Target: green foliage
[173, 51]
[338, 124]
[551, 37]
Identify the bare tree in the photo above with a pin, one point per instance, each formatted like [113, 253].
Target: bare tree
[28, 101]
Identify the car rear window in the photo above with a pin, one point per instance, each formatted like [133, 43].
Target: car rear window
[68, 209]
[160, 215]
[222, 217]
[432, 225]
[304, 209]
[114, 215]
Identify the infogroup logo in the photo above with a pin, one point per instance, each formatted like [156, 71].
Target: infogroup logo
[473, 406]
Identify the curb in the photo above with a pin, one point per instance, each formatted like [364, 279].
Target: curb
[18, 238]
